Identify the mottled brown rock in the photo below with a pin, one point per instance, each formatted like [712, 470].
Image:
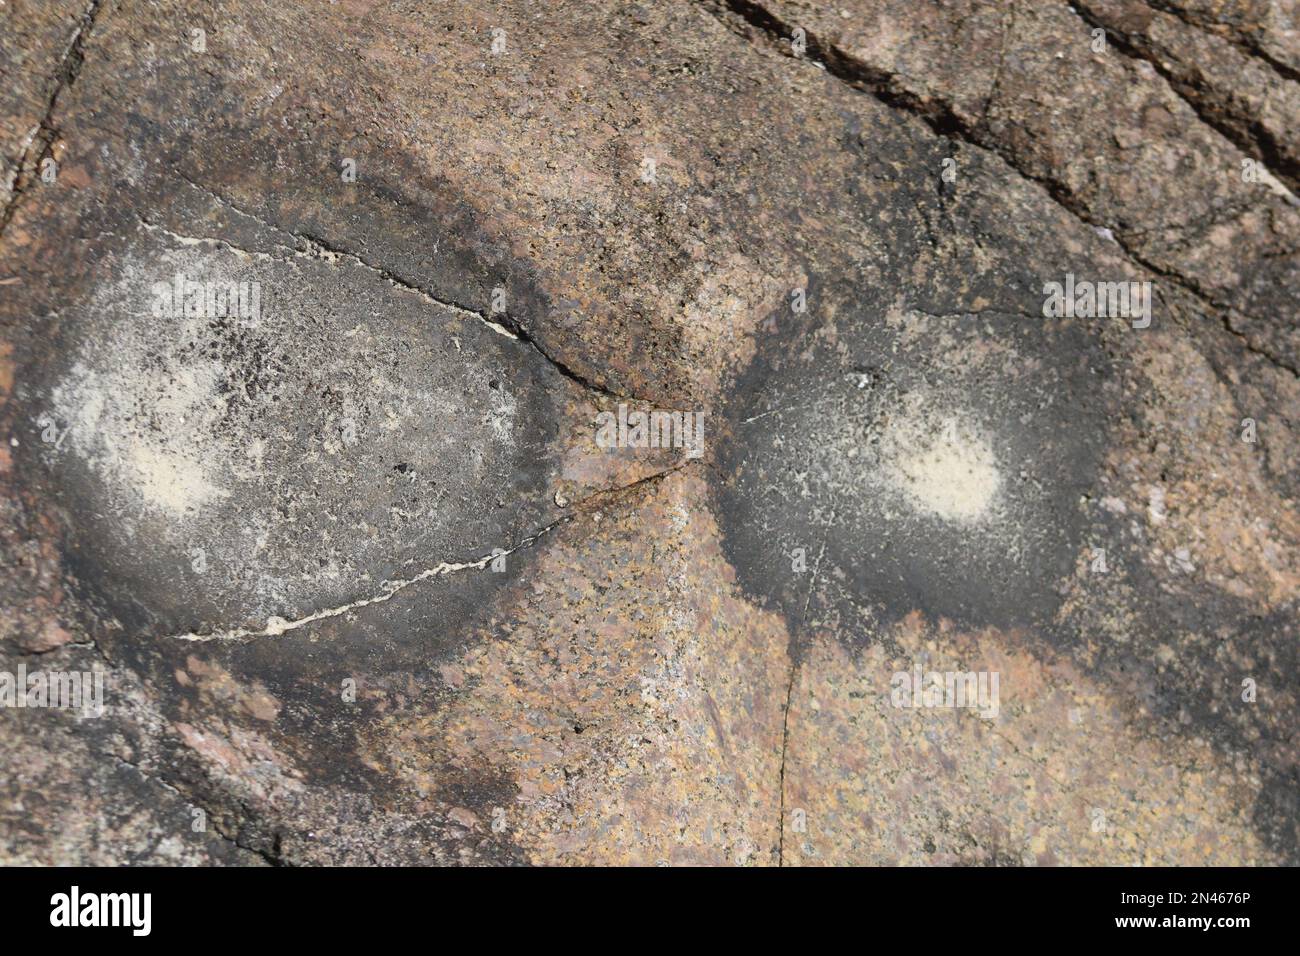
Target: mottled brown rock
[39, 54]
[1101, 129]
[1248, 100]
[366, 588]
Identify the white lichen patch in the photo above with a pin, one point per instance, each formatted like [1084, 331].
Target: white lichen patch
[141, 407]
[940, 464]
[145, 433]
[285, 459]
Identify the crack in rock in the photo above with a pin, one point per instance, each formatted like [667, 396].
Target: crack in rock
[277, 626]
[316, 247]
[944, 122]
[41, 139]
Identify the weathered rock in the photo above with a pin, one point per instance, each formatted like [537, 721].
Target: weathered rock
[364, 584]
